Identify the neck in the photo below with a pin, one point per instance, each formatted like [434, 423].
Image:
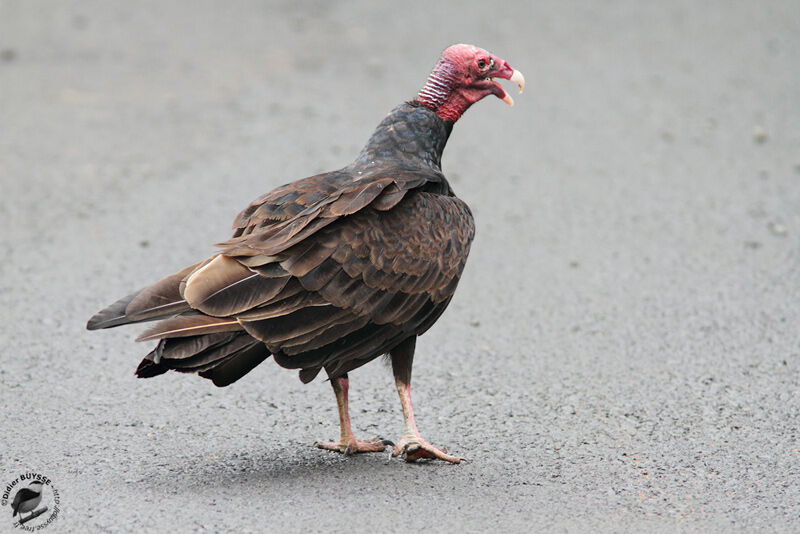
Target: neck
[410, 135]
[439, 94]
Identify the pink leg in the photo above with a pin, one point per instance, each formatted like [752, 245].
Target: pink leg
[411, 445]
[348, 444]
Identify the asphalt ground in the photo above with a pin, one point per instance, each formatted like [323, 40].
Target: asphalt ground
[622, 352]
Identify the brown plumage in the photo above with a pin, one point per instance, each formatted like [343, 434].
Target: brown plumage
[331, 271]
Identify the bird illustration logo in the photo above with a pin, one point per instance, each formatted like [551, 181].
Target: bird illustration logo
[26, 500]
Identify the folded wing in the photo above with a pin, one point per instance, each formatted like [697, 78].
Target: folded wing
[321, 273]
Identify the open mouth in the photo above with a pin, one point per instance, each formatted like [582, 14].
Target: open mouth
[516, 77]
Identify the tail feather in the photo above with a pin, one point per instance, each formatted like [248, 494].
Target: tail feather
[236, 365]
[148, 368]
[111, 316]
[160, 300]
[221, 357]
[185, 325]
[182, 348]
[213, 355]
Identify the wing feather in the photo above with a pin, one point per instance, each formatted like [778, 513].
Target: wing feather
[330, 271]
[189, 325]
[161, 298]
[389, 198]
[211, 356]
[236, 365]
[356, 199]
[225, 287]
[303, 321]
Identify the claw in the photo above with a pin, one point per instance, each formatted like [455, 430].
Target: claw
[412, 451]
[355, 446]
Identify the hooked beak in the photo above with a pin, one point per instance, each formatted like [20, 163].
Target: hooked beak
[506, 72]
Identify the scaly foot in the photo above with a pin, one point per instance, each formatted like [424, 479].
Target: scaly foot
[354, 445]
[415, 448]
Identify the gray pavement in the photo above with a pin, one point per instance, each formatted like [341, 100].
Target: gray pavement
[622, 354]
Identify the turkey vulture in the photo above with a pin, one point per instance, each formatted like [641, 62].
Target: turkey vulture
[332, 271]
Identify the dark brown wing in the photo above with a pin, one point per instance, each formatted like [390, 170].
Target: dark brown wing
[273, 222]
[321, 273]
[344, 295]
[287, 215]
[393, 272]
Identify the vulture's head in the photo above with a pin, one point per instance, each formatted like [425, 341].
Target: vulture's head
[464, 75]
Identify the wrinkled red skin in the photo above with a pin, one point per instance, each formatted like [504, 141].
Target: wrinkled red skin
[458, 81]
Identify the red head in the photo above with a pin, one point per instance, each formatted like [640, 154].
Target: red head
[463, 76]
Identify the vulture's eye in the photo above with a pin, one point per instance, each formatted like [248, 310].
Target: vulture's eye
[481, 64]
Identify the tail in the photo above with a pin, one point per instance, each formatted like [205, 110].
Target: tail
[160, 300]
[223, 358]
[216, 348]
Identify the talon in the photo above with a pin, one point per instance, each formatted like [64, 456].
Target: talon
[413, 449]
[351, 447]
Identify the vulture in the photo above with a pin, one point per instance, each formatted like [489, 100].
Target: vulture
[331, 271]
